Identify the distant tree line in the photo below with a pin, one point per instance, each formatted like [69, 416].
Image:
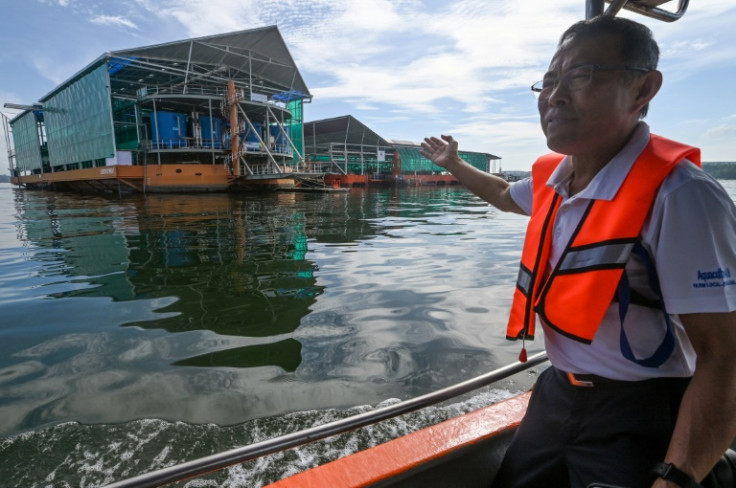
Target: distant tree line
[4, 179]
[721, 170]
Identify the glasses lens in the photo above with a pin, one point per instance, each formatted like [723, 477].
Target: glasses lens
[578, 78]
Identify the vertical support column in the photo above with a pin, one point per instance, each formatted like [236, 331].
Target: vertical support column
[593, 8]
[232, 102]
[138, 132]
[156, 141]
[213, 144]
[396, 173]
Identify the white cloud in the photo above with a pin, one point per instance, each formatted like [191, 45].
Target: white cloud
[465, 52]
[205, 17]
[114, 20]
[61, 3]
[723, 131]
[681, 48]
[50, 68]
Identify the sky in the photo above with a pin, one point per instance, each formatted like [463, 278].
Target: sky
[406, 68]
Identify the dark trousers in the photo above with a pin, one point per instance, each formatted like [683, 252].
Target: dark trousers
[572, 436]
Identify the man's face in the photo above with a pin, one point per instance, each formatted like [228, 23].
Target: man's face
[598, 118]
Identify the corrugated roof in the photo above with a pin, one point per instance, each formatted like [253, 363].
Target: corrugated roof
[256, 56]
[319, 134]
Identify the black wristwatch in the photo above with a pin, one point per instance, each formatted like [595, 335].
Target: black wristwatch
[667, 471]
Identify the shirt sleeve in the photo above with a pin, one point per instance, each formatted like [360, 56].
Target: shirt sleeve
[691, 233]
[521, 194]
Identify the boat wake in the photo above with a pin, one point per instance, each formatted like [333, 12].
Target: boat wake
[77, 455]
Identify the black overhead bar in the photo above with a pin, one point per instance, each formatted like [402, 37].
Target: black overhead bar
[649, 8]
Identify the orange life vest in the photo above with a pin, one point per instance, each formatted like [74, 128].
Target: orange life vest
[582, 285]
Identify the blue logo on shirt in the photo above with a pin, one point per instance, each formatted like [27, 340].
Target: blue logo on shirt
[714, 279]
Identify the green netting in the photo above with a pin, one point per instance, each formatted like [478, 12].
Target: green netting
[413, 162]
[479, 160]
[79, 121]
[368, 164]
[370, 170]
[295, 125]
[126, 125]
[26, 142]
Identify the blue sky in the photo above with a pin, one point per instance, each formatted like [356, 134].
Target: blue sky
[405, 68]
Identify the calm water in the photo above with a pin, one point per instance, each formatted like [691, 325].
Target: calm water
[140, 332]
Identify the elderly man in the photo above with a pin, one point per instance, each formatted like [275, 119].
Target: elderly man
[629, 263]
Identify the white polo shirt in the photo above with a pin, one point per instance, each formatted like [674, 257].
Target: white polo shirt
[690, 234]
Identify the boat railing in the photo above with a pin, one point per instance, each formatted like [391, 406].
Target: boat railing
[204, 465]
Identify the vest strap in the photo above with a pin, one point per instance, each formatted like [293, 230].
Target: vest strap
[667, 346]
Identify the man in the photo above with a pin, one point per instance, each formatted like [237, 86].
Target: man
[643, 369]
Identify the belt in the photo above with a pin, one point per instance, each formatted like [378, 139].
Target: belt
[588, 380]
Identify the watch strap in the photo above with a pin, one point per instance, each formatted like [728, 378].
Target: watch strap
[667, 471]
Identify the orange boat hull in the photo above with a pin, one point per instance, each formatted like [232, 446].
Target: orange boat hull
[165, 178]
[463, 451]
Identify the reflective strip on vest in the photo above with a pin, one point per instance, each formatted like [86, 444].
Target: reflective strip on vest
[598, 257]
[524, 280]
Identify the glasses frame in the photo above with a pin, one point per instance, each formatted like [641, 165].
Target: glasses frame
[537, 87]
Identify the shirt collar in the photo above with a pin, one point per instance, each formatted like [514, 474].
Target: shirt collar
[606, 183]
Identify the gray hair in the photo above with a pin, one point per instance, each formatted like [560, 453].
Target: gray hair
[637, 44]
[638, 47]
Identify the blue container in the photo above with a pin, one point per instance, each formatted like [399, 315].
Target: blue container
[250, 139]
[168, 129]
[280, 142]
[212, 131]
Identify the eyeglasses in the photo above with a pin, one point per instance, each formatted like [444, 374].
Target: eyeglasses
[578, 77]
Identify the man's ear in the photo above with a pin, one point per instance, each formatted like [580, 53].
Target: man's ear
[646, 87]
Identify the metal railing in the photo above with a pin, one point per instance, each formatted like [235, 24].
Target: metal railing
[198, 467]
[648, 8]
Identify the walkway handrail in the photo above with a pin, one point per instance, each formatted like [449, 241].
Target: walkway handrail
[239, 455]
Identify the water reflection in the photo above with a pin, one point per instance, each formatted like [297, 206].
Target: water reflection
[236, 265]
[221, 308]
[284, 354]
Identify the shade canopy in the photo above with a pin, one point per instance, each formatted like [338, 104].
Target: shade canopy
[258, 60]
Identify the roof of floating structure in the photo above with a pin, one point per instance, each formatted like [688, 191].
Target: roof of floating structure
[344, 134]
[257, 59]
[319, 134]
